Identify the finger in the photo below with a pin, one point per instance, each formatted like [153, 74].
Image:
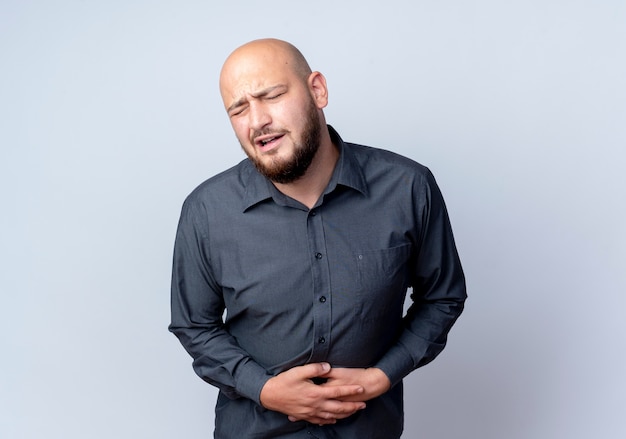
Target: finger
[330, 412]
[340, 409]
[322, 421]
[311, 370]
[338, 392]
[326, 418]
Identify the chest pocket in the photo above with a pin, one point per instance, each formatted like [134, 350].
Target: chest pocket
[383, 269]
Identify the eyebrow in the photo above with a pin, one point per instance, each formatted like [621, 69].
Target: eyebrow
[258, 94]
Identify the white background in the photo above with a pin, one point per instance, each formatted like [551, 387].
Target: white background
[110, 115]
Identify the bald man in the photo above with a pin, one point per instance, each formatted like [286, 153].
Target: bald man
[291, 268]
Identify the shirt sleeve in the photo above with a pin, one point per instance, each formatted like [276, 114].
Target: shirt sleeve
[197, 308]
[438, 285]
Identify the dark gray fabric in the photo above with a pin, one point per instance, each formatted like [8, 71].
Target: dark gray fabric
[326, 284]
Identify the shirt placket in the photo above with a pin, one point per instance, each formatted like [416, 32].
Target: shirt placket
[321, 287]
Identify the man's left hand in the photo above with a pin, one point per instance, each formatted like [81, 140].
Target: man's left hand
[373, 380]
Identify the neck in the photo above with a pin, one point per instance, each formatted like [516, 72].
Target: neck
[308, 188]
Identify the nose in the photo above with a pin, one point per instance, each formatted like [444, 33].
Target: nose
[259, 116]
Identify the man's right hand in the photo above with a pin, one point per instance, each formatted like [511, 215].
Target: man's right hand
[293, 393]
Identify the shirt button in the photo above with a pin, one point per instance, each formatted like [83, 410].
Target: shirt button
[318, 256]
[323, 299]
[313, 212]
[321, 340]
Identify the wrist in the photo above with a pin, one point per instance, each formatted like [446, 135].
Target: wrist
[265, 395]
[379, 382]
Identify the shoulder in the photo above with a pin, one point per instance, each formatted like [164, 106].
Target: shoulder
[225, 183]
[225, 188]
[375, 161]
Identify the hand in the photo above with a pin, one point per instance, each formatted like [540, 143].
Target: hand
[293, 393]
[373, 380]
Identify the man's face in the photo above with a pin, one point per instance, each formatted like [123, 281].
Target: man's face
[274, 115]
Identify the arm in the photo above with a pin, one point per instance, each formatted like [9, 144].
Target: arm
[197, 310]
[438, 296]
[438, 287]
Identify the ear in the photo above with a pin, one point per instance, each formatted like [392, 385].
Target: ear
[318, 89]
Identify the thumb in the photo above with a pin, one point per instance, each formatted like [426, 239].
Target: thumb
[313, 370]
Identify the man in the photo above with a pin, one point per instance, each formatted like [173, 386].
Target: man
[291, 268]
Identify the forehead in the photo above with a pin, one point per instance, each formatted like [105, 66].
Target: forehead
[254, 70]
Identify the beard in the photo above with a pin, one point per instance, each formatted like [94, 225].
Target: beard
[287, 170]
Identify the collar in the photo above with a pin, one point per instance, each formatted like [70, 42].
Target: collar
[348, 173]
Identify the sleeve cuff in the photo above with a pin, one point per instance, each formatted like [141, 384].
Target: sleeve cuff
[396, 364]
[251, 378]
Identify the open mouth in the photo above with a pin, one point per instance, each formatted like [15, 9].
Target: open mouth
[266, 142]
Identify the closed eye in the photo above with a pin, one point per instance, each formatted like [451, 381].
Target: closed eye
[237, 111]
[275, 95]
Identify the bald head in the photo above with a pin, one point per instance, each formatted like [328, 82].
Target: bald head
[258, 59]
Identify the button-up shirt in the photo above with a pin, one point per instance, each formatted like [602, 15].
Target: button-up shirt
[261, 284]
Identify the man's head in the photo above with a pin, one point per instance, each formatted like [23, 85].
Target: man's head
[274, 103]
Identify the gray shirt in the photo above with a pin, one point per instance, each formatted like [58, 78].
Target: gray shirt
[261, 284]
